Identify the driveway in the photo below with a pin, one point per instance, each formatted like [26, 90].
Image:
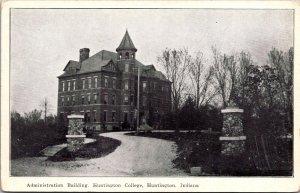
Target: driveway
[136, 156]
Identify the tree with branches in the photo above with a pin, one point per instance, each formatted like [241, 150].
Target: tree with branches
[225, 73]
[45, 107]
[175, 64]
[200, 76]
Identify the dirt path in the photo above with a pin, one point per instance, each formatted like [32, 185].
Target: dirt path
[136, 156]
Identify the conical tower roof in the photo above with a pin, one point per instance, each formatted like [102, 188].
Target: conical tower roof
[126, 43]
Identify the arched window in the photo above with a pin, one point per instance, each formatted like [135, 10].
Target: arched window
[132, 56]
[120, 56]
[127, 55]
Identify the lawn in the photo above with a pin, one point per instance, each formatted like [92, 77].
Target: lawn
[100, 148]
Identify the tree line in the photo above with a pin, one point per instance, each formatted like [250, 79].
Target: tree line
[35, 130]
[200, 89]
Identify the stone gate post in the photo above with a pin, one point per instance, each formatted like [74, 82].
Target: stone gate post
[233, 138]
[75, 136]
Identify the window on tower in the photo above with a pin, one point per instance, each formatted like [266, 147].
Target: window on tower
[126, 67]
[127, 55]
[126, 86]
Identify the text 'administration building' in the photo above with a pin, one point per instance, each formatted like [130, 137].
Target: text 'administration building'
[103, 88]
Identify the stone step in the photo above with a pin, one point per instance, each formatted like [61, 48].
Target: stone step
[52, 150]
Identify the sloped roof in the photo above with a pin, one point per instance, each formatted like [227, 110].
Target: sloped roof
[126, 43]
[102, 58]
[72, 64]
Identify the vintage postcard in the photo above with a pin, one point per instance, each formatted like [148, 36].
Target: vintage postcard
[140, 96]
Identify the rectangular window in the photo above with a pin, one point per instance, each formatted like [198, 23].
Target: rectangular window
[63, 85]
[105, 98]
[95, 98]
[132, 84]
[106, 82]
[62, 101]
[131, 116]
[74, 84]
[131, 99]
[88, 117]
[95, 115]
[113, 99]
[68, 100]
[126, 99]
[126, 67]
[69, 85]
[83, 83]
[125, 116]
[82, 99]
[104, 115]
[113, 116]
[89, 82]
[73, 99]
[144, 86]
[114, 83]
[96, 81]
[154, 86]
[144, 101]
[126, 86]
[89, 98]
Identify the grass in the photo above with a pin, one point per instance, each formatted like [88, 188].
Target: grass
[100, 148]
[204, 150]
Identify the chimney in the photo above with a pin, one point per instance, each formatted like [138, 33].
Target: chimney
[84, 53]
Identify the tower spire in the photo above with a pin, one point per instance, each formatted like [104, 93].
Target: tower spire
[126, 43]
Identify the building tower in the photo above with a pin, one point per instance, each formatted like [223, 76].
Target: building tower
[127, 64]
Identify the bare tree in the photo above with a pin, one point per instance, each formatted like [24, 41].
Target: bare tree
[225, 72]
[200, 76]
[245, 61]
[45, 107]
[175, 64]
[282, 62]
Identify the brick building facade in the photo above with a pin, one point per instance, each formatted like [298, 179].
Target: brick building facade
[103, 88]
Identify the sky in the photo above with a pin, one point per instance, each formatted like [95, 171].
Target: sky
[44, 40]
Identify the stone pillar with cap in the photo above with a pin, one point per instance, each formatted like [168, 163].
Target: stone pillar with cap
[75, 136]
[232, 138]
